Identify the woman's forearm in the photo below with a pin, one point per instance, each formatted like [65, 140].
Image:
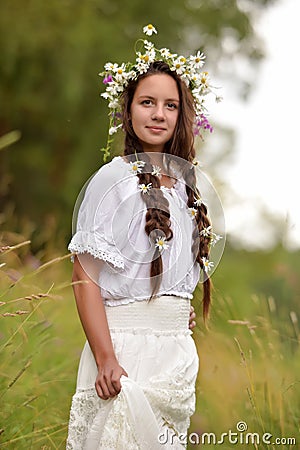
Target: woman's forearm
[92, 314]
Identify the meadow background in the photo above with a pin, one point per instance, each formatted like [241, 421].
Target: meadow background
[52, 125]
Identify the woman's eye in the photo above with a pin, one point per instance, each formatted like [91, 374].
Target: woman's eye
[171, 106]
[146, 102]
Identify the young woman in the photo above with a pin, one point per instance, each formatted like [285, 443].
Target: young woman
[142, 237]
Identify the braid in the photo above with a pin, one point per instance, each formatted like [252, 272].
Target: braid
[182, 145]
[200, 247]
[157, 220]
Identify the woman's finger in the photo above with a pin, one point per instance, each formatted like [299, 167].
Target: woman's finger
[116, 381]
[192, 324]
[100, 391]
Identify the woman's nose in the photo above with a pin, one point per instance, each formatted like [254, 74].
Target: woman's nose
[158, 113]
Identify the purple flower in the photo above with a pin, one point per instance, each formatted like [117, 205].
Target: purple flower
[108, 79]
[116, 115]
[202, 123]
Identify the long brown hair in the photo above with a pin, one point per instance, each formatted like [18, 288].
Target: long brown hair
[181, 145]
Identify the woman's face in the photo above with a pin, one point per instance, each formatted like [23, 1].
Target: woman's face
[154, 111]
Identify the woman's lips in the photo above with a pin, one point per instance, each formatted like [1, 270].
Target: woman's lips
[156, 129]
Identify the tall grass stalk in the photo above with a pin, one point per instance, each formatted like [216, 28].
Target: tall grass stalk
[249, 357]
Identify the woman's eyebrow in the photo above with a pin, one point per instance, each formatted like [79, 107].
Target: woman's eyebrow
[153, 98]
[172, 100]
[146, 96]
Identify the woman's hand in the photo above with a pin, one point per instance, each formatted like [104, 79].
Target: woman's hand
[108, 379]
[192, 322]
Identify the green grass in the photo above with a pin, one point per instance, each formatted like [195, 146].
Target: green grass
[40, 344]
[250, 361]
[250, 372]
[249, 357]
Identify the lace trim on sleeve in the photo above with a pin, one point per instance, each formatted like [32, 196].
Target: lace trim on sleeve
[78, 248]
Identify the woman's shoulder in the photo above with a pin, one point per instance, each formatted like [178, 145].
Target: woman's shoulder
[109, 174]
[112, 180]
[112, 170]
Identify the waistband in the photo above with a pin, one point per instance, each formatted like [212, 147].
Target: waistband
[164, 314]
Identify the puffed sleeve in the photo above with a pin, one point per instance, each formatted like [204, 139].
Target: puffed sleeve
[94, 223]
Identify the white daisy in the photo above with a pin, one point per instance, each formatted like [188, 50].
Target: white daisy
[197, 61]
[145, 189]
[148, 45]
[204, 79]
[105, 95]
[161, 243]
[216, 238]
[136, 167]
[141, 163]
[142, 67]
[198, 201]
[114, 104]
[120, 73]
[113, 130]
[195, 77]
[179, 65]
[149, 29]
[110, 67]
[206, 232]
[156, 171]
[207, 265]
[193, 212]
[132, 75]
[113, 89]
[115, 67]
[165, 52]
[146, 58]
[186, 78]
[197, 92]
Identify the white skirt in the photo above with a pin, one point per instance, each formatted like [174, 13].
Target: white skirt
[153, 343]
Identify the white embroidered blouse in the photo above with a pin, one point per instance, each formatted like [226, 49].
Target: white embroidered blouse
[110, 225]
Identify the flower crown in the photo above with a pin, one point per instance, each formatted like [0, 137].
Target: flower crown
[116, 78]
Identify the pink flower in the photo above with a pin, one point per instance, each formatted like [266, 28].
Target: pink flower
[108, 79]
[202, 123]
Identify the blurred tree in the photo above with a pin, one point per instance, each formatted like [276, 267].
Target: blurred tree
[51, 53]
